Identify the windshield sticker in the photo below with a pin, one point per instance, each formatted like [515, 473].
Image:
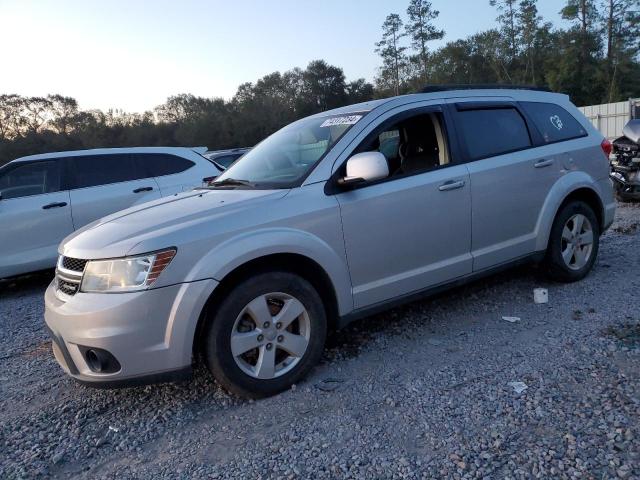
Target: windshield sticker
[348, 120]
[556, 122]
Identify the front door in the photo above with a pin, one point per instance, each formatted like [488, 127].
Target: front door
[34, 216]
[411, 230]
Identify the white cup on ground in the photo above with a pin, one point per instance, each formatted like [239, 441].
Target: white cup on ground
[540, 295]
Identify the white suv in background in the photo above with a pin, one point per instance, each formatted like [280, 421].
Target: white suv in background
[44, 198]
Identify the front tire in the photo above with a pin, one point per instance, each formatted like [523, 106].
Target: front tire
[266, 334]
[573, 243]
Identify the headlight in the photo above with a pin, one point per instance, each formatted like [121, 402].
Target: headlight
[128, 274]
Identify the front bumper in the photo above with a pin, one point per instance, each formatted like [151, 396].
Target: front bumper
[150, 333]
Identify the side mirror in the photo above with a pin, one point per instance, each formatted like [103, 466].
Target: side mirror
[365, 167]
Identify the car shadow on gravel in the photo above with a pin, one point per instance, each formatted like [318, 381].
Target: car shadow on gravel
[26, 284]
[350, 341]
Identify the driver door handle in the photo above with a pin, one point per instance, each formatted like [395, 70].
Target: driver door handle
[451, 185]
[54, 205]
[143, 189]
[543, 163]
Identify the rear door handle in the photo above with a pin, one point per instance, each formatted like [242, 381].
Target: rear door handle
[143, 189]
[54, 205]
[543, 163]
[451, 185]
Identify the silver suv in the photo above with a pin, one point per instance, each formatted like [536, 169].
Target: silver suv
[331, 218]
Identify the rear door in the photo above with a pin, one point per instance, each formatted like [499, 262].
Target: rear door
[104, 184]
[175, 174]
[510, 178]
[35, 215]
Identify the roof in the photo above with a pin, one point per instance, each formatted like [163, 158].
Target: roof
[438, 92]
[103, 151]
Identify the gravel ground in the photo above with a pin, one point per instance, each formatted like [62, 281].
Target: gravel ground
[421, 391]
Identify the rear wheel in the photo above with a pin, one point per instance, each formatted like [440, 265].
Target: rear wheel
[266, 334]
[573, 243]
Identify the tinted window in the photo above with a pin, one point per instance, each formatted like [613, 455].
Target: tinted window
[226, 160]
[554, 122]
[159, 164]
[90, 171]
[30, 179]
[492, 132]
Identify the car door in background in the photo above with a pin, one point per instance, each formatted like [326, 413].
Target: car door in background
[104, 184]
[172, 173]
[510, 179]
[35, 215]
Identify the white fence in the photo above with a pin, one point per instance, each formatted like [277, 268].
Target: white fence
[610, 118]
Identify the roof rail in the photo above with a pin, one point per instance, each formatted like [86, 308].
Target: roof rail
[479, 86]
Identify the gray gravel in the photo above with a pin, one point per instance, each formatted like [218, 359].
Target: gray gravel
[421, 391]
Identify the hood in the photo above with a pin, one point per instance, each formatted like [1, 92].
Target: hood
[117, 234]
[632, 131]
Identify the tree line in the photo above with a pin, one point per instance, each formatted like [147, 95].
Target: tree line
[30, 125]
[595, 60]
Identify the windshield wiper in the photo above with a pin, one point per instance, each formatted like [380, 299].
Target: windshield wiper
[233, 182]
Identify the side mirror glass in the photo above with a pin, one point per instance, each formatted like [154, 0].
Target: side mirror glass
[365, 167]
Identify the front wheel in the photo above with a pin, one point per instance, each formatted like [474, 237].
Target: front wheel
[573, 243]
[266, 334]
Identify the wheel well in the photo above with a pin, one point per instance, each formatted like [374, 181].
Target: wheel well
[589, 197]
[288, 262]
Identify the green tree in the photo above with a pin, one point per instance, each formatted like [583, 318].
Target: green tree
[421, 30]
[391, 51]
[63, 112]
[620, 20]
[530, 29]
[508, 21]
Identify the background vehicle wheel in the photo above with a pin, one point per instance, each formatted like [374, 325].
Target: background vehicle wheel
[573, 243]
[266, 334]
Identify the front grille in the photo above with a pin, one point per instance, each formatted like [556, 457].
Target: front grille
[74, 264]
[69, 275]
[67, 287]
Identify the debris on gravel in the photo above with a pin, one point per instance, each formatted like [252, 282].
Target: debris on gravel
[421, 391]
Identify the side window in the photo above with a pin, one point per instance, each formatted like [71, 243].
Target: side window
[226, 160]
[95, 170]
[492, 131]
[410, 145]
[553, 121]
[159, 164]
[29, 179]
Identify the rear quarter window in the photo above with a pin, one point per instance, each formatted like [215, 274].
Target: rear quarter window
[492, 131]
[554, 122]
[160, 164]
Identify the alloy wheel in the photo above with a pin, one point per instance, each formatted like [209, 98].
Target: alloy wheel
[270, 335]
[577, 242]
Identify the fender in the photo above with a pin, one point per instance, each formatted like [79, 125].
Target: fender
[569, 183]
[243, 248]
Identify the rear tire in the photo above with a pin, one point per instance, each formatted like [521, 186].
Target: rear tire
[266, 334]
[573, 243]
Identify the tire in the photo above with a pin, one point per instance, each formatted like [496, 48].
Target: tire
[578, 259]
[242, 313]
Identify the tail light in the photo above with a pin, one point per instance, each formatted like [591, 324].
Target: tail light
[607, 147]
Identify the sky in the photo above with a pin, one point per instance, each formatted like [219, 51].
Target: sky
[133, 54]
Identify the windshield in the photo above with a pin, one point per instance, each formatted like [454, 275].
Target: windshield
[286, 157]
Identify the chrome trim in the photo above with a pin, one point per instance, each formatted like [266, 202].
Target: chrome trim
[67, 278]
